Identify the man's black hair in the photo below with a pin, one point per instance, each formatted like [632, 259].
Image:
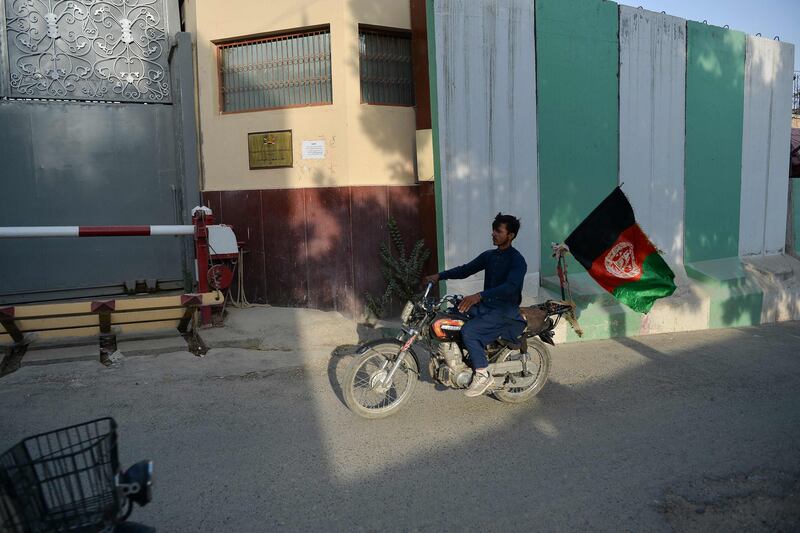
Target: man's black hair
[511, 222]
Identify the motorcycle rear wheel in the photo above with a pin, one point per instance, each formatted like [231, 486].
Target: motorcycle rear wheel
[364, 392]
[529, 386]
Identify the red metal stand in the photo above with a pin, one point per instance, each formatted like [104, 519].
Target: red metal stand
[201, 220]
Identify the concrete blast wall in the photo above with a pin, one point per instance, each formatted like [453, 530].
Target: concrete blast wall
[767, 126]
[652, 87]
[487, 138]
[544, 107]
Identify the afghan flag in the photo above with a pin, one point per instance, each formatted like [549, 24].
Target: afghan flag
[618, 255]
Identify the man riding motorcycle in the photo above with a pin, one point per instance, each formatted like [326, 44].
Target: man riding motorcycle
[494, 311]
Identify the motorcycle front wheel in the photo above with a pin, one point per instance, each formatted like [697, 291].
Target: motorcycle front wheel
[365, 391]
[525, 387]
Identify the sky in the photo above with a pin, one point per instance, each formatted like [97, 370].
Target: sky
[769, 17]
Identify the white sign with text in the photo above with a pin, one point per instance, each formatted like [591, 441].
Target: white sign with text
[314, 149]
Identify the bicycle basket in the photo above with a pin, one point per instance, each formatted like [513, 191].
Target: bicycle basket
[63, 480]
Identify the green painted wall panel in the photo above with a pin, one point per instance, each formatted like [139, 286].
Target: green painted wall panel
[714, 121]
[577, 63]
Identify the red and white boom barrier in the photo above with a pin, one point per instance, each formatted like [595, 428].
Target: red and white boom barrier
[93, 231]
[202, 218]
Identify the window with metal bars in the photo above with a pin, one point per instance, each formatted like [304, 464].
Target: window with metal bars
[286, 70]
[385, 64]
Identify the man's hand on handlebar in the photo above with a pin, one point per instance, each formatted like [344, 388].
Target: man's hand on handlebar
[469, 301]
[433, 278]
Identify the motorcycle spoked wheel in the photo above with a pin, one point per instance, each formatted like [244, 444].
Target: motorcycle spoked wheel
[526, 387]
[364, 392]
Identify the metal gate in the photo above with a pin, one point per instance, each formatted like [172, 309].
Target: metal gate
[96, 128]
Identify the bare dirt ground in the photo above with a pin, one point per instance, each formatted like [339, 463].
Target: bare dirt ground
[680, 432]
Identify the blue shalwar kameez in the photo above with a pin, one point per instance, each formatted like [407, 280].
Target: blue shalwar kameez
[497, 314]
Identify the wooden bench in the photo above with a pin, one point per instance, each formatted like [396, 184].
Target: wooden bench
[102, 318]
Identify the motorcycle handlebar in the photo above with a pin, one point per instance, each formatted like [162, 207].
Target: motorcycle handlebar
[428, 288]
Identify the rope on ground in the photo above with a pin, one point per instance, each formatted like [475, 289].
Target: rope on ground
[239, 300]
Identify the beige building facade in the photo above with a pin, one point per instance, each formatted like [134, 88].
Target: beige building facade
[311, 227]
[365, 144]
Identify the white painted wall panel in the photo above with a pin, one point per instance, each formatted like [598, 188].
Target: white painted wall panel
[487, 127]
[765, 146]
[652, 96]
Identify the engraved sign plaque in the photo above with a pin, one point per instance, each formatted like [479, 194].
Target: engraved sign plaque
[270, 149]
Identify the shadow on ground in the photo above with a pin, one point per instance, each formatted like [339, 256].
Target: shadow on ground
[625, 432]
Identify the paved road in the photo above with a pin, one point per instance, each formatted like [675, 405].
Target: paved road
[690, 432]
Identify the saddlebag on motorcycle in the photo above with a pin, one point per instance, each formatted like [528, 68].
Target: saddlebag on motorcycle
[536, 317]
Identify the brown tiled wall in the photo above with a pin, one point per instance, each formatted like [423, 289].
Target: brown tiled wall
[319, 247]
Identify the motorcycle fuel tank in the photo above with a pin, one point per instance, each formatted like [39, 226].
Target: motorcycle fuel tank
[447, 327]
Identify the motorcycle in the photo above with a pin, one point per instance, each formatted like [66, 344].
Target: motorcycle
[69, 480]
[383, 374]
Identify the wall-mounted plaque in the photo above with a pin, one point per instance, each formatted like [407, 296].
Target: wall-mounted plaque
[270, 149]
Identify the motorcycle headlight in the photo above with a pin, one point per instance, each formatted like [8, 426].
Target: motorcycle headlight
[406, 314]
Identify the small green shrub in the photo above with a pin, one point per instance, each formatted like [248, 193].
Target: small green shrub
[400, 271]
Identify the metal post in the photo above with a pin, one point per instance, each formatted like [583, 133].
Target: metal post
[13, 358]
[196, 345]
[186, 145]
[107, 339]
[201, 219]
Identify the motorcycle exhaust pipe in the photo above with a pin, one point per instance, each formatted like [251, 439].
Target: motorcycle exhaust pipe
[506, 367]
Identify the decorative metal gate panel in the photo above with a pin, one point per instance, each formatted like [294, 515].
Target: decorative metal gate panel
[88, 49]
[78, 146]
